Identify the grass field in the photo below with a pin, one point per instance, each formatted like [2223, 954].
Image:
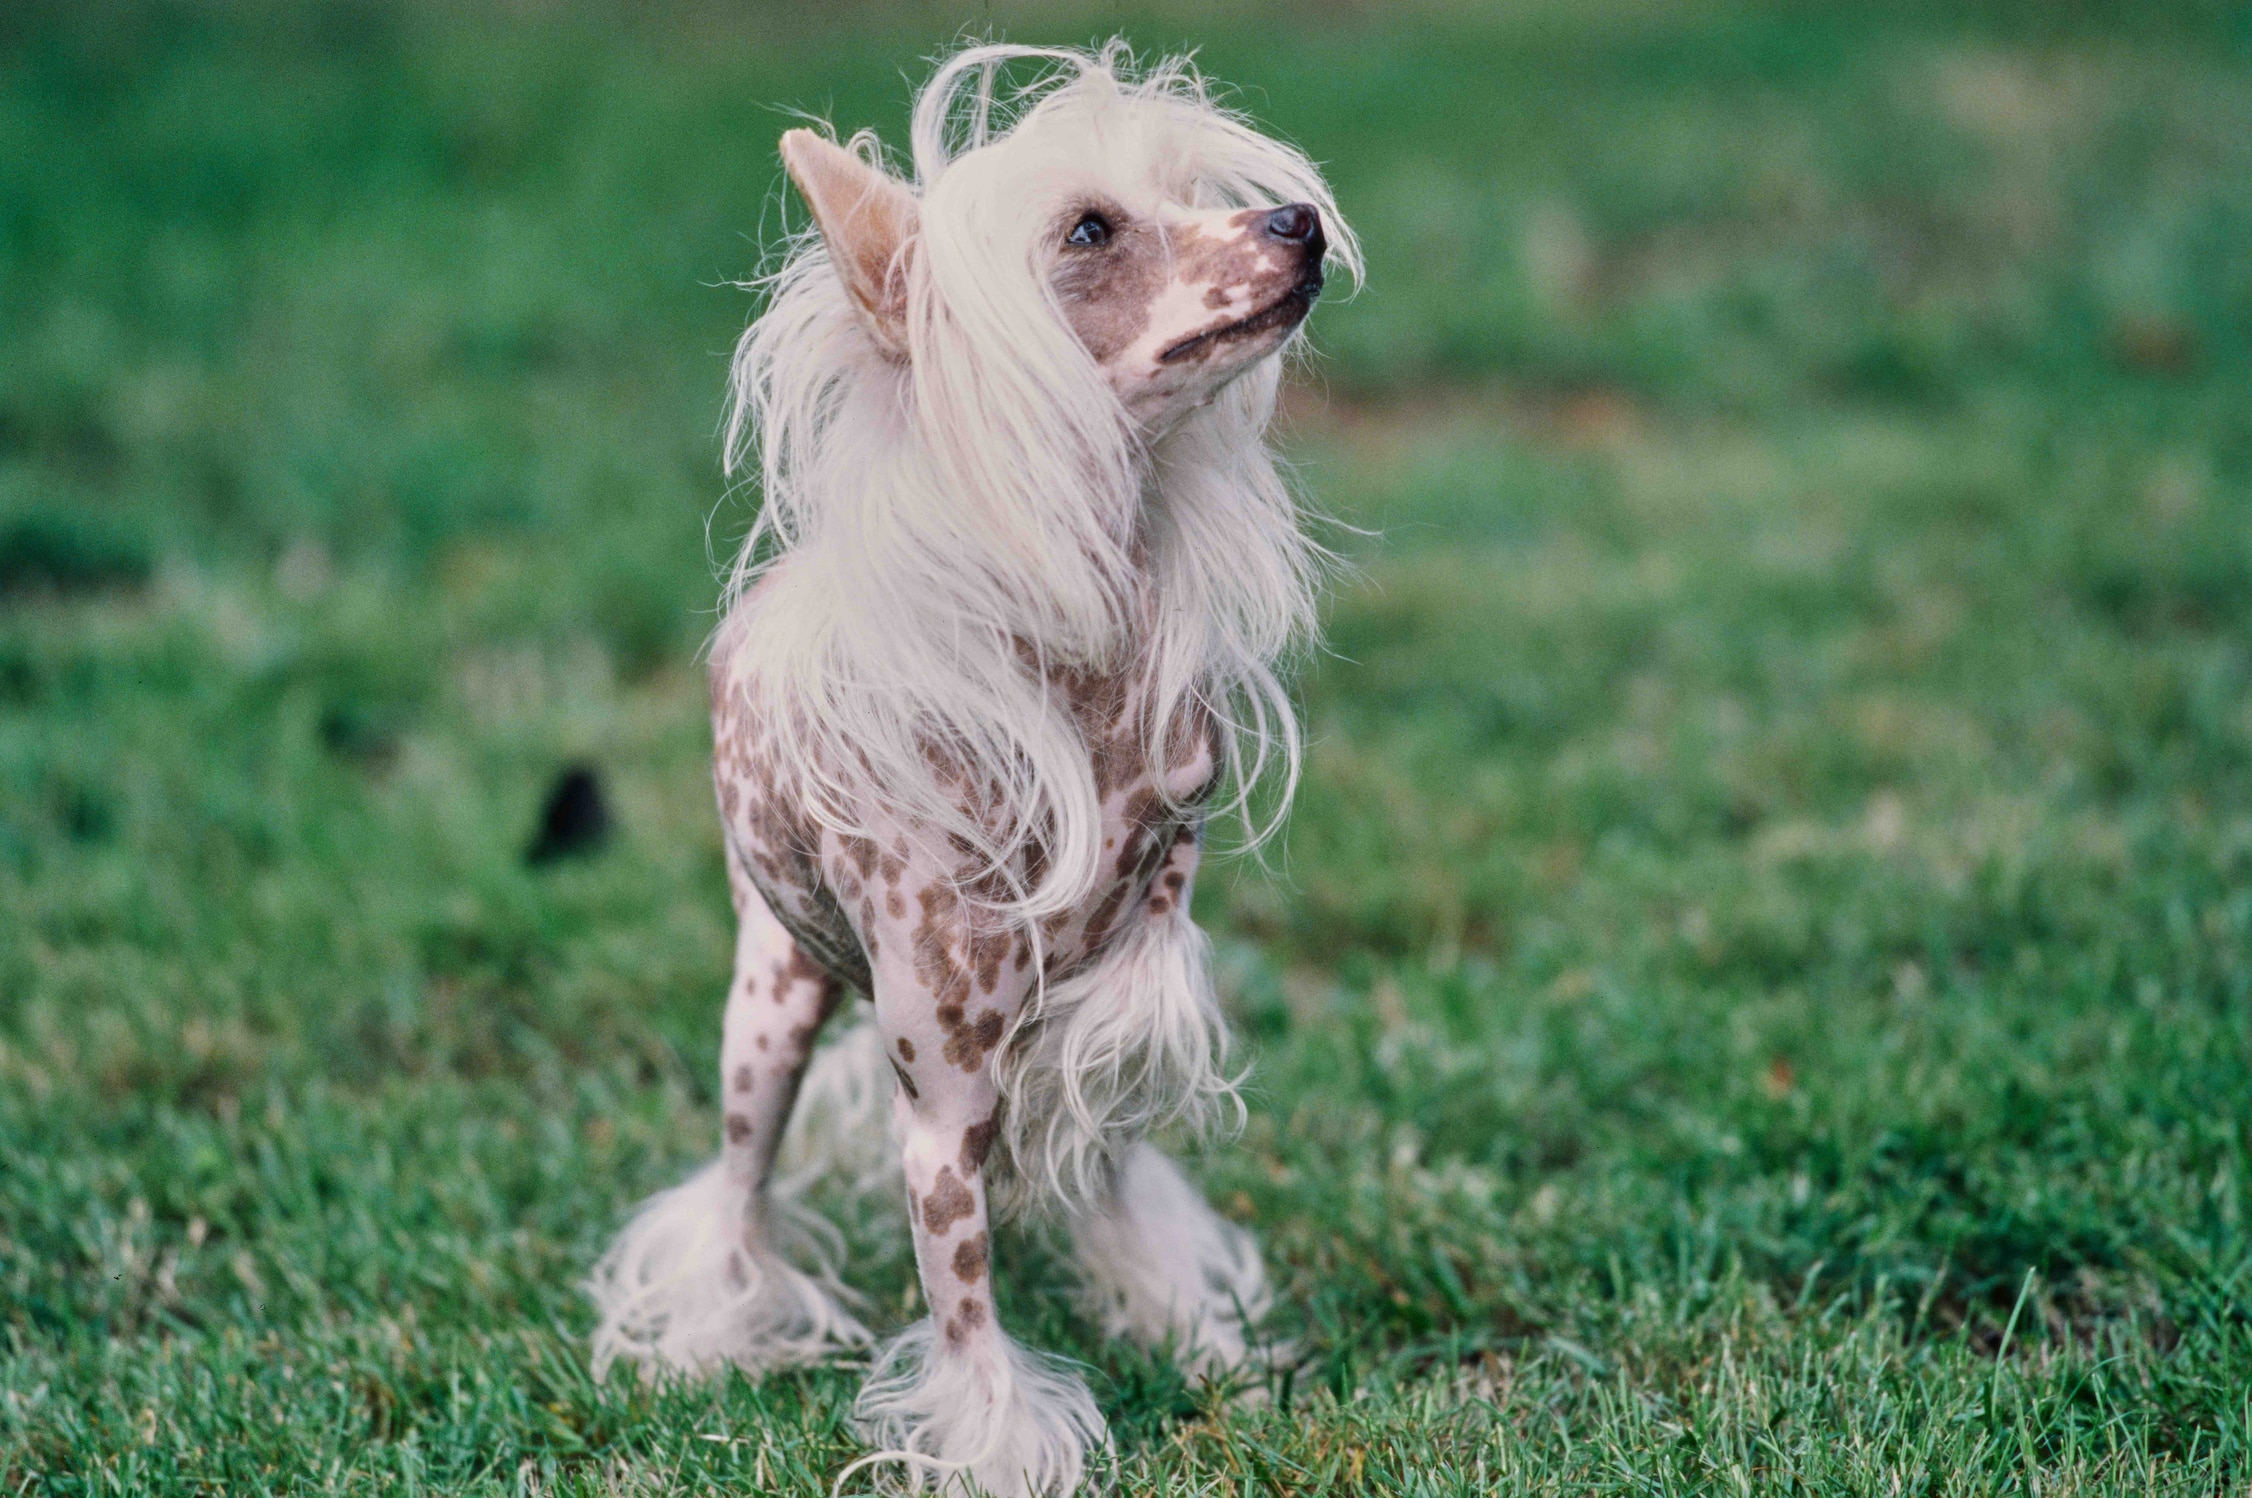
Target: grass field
[1757, 994]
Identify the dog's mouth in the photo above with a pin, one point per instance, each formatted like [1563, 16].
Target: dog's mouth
[1285, 311]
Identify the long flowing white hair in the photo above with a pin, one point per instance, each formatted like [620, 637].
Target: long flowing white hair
[940, 532]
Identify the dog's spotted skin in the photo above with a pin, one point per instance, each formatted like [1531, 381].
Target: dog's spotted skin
[775, 1007]
[1008, 410]
[821, 912]
[1153, 304]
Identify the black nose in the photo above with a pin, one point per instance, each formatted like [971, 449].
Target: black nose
[1300, 223]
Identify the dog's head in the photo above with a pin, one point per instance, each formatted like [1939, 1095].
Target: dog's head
[1121, 233]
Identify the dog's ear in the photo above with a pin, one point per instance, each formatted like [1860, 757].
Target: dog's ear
[867, 216]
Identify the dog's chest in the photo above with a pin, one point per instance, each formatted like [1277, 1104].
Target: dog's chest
[835, 895]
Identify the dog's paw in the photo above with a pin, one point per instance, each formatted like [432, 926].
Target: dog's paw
[1004, 1420]
[1166, 1270]
[685, 1289]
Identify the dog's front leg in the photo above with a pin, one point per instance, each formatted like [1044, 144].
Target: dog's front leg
[955, 1397]
[700, 1277]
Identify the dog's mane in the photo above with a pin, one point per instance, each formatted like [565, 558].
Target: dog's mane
[940, 539]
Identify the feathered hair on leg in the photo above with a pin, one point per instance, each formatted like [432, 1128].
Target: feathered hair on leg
[683, 1291]
[1012, 1426]
[1165, 1269]
[1132, 1043]
[954, 502]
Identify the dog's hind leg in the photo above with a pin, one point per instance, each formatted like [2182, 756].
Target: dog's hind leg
[703, 1275]
[1164, 1269]
[1161, 1266]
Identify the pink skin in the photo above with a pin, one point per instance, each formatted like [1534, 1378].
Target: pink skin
[947, 981]
[775, 1008]
[1224, 273]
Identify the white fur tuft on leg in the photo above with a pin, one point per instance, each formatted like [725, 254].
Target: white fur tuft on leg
[1011, 1421]
[1163, 1266]
[1131, 1043]
[689, 1285]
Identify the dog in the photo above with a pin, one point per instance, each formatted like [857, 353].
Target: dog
[1009, 628]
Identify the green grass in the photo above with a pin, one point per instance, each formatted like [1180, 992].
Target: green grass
[1755, 996]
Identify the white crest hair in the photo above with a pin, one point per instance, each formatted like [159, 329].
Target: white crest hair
[953, 522]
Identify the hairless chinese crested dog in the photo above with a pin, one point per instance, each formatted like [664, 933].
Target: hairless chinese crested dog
[1005, 634]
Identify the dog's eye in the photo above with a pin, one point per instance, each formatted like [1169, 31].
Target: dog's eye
[1092, 229]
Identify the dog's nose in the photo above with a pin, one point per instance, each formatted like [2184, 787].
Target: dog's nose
[1299, 223]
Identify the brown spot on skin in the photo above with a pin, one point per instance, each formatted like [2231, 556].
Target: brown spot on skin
[906, 1049]
[967, 1045]
[762, 1042]
[1169, 891]
[1106, 291]
[977, 1143]
[894, 906]
[1098, 924]
[1260, 267]
[743, 1076]
[990, 953]
[1130, 856]
[943, 976]
[1144, 810]
[969, 1259]
[948, 1203]
[738, 1128]
[967, 1319]
[1146, 866]
[906, 1085]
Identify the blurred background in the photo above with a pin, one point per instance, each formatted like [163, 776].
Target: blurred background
[1754, 992]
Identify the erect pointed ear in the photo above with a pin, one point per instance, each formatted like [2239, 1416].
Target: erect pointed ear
[867, 216]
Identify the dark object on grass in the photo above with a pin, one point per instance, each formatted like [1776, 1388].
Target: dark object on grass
[2154, 346]
[58, 554]
[364, 733]
[577, 818]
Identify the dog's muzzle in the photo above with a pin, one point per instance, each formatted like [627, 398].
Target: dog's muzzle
[1299, 225]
